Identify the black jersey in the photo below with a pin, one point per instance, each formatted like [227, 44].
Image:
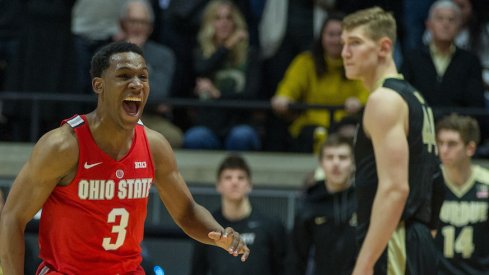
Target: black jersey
[324, 225]
[422, 150]
[264, 235]
[463, 236]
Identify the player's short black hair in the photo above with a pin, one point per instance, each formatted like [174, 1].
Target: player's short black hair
[101, 59]
[234, 161]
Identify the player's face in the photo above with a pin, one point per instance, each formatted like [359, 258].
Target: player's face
[337, 163]
[359, 53]
[331, 38]
[452, 148]
[123, 88]
[234, 184]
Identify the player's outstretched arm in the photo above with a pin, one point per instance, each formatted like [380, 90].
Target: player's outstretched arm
[195, 220]
[52, 158]
[385, 121]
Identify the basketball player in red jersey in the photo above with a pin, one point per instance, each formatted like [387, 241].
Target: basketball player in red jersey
[91, 177]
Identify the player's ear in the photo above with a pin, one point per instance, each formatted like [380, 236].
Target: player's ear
[97, 85]
[470, 148]
[385, 46]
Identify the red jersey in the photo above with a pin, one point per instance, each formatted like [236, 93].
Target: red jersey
[95, 224]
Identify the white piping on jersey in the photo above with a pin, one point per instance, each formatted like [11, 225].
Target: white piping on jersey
[44, 270]
[76, 121]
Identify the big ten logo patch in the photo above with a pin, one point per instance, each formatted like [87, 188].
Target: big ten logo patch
[139, 164]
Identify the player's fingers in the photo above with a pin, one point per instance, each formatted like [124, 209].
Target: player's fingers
[246, 252]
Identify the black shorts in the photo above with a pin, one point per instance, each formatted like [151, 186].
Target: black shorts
[411, 251]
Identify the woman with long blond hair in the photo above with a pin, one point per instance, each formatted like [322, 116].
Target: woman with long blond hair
[226, 69]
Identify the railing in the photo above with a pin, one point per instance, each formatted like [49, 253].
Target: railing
[38, 98]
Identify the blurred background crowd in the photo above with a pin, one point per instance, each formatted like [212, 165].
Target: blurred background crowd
[267, 57]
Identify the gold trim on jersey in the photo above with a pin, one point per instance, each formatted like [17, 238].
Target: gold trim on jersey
[479, 174]
[396, 251]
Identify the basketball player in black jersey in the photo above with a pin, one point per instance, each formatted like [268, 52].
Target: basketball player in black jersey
[462, 240]
[394, 154]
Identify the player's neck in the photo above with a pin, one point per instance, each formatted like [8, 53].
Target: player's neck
[114, 142]
[335, 188]
[385, 69]
[236, 210]
[460, 174]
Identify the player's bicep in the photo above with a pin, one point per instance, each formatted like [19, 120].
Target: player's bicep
[51, 159]
[170, 184]
[385, 122]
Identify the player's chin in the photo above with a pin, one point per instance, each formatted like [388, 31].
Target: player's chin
[351, 74]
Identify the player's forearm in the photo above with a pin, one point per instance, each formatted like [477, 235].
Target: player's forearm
[198, 223]
[386, 214]
[12, 247]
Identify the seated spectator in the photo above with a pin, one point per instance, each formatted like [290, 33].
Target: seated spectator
[445, 74]
[462, 240]
[136, 21]
[317, 77]
[325, 220]
[263, 234]
[94, 23]
[226, 69]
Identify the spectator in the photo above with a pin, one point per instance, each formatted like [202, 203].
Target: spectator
[445, 74]
[462, 240]
[136, 23]
[226, 69]
[317, 77]
[94, 24]
[324, 222]
[263, 234]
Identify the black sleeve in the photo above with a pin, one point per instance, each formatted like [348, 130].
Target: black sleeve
[205, 67]
[278, 245]
[199, 265]
[437, 197]
[474, 96]
[300, 244]
[253, 78]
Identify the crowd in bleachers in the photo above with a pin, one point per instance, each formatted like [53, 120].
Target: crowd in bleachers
[274, 51]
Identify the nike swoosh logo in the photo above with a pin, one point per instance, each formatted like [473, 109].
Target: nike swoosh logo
[88, 166]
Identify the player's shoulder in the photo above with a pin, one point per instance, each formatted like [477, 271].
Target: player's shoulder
[58, 147]
[61, 140]
[384, 96]
[384, 103]
[160, 148]
[481, 174]
[156, 139]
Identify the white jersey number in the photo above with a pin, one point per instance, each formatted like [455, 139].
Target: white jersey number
[119, 229]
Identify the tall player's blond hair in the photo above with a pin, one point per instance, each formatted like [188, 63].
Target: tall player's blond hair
[377, 22]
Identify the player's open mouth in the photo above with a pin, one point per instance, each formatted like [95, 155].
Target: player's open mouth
[131, 105]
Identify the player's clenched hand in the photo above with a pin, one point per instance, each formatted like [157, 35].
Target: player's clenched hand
[231, 241]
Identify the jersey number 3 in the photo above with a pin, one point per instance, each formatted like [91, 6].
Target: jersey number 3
[119, 229]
